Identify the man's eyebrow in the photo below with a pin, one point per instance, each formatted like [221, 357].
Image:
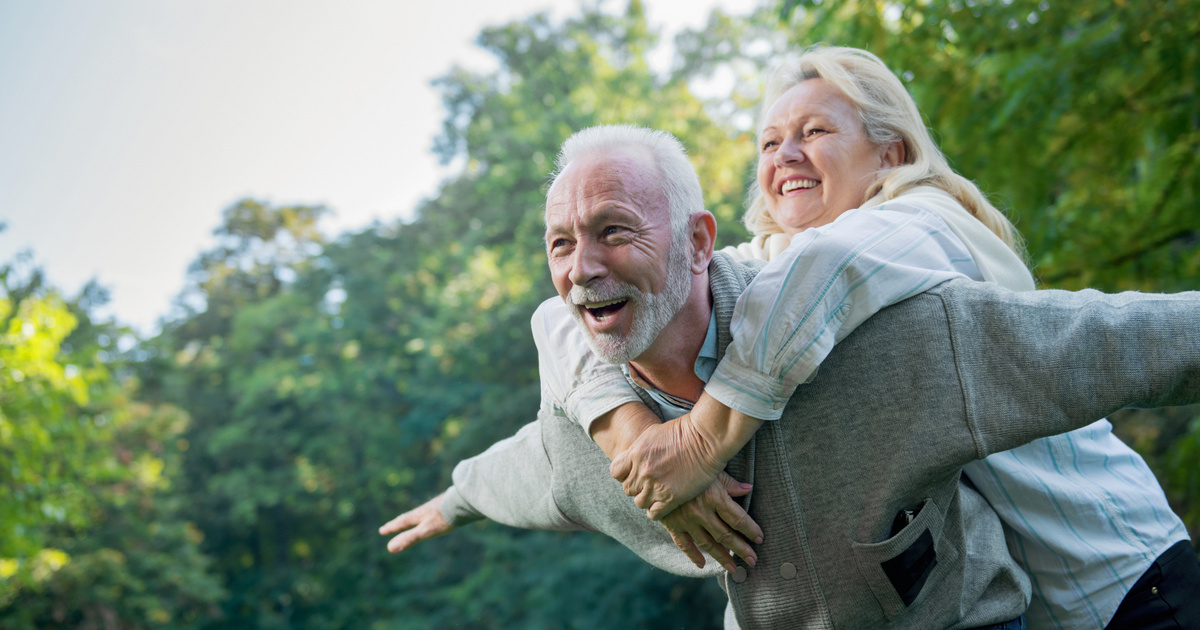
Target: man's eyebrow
[614, 211]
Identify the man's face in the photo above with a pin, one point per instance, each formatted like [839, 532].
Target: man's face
[609, 244]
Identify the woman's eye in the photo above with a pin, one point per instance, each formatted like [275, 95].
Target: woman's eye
[814, 131]
[768, 144]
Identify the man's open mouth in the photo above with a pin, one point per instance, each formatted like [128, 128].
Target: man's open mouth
[602, 310]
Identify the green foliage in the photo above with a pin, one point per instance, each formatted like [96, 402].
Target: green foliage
[88, 538]
[1182, 473]
[47, 462]
[58, 408]
[137, 564]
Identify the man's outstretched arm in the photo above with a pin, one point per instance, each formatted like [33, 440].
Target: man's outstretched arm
[508, 483]
[416, 525]
[1045, 362]
[512, 483]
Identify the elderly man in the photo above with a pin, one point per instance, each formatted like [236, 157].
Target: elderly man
[868, 521]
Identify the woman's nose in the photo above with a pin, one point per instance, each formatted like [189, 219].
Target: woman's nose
[789, 151]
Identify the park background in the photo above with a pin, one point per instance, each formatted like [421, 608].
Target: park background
[232, 469]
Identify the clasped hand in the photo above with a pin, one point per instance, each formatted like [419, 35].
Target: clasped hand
[668, 464]
[716, 523]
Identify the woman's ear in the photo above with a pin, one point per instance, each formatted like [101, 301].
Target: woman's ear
[894, 155]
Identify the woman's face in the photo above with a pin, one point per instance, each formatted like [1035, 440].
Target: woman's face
[815, 161]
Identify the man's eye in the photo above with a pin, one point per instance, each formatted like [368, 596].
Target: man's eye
[558, 242]
[611, 230]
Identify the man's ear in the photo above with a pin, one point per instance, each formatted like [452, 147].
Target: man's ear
[702, 230]
[894, 154]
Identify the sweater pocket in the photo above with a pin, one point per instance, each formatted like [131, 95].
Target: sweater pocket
[903, 569]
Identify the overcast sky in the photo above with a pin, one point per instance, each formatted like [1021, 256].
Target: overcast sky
[126, 127]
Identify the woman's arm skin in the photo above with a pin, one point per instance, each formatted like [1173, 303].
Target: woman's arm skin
[666, 457]
[617, 430]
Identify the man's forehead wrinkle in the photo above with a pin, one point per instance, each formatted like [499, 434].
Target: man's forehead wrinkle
[603, 182]
[633, 172]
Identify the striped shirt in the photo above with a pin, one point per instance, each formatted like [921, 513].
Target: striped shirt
[1083, 513]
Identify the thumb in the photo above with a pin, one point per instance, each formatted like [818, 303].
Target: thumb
[732, 486]
[621, 467]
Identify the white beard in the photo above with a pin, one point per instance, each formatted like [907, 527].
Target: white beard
[651, 311]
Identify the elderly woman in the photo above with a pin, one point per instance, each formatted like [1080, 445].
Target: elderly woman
[840, 138]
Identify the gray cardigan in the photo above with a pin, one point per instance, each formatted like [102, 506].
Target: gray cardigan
[955, 374]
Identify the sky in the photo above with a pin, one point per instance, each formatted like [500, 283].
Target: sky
[127, 127]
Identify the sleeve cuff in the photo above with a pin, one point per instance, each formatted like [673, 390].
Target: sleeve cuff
[749, 391]
[456, 510]
[609, 390]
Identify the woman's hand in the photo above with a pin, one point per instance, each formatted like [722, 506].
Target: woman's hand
[715, 523]
[675, 461]
[415, 525]
[667, 465]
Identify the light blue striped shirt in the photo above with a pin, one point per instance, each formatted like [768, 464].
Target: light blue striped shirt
[1083, 513]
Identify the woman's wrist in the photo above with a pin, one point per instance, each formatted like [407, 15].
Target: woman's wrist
[727, 430]
[619, 428]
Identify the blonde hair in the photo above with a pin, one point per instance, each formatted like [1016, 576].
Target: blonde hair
[889, 114]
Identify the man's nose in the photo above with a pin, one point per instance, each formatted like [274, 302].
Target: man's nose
[588, 263]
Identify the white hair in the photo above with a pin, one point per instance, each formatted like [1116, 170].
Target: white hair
[676, 176]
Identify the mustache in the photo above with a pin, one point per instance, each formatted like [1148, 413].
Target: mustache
[603, 292]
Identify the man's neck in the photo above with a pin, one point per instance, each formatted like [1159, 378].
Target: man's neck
[670, 363]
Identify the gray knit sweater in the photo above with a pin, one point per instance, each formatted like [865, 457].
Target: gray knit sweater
[955, 374]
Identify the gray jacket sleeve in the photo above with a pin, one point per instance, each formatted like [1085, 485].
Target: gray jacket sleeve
[509, 483]
[1040, 363]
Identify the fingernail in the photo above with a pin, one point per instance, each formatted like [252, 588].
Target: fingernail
[758, 541]
[729, 568]
[746, 486]
[751, 560]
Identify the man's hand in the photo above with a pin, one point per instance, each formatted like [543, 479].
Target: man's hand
[716, 523]
[415, 525]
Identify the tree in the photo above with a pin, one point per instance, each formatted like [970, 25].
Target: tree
[86, 538]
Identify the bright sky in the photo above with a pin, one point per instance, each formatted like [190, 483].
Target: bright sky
[127, 126]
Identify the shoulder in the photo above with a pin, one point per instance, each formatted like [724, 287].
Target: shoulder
[927, 198]
[728, 278]
[738, 270]
[761, 247]
[552, 324]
